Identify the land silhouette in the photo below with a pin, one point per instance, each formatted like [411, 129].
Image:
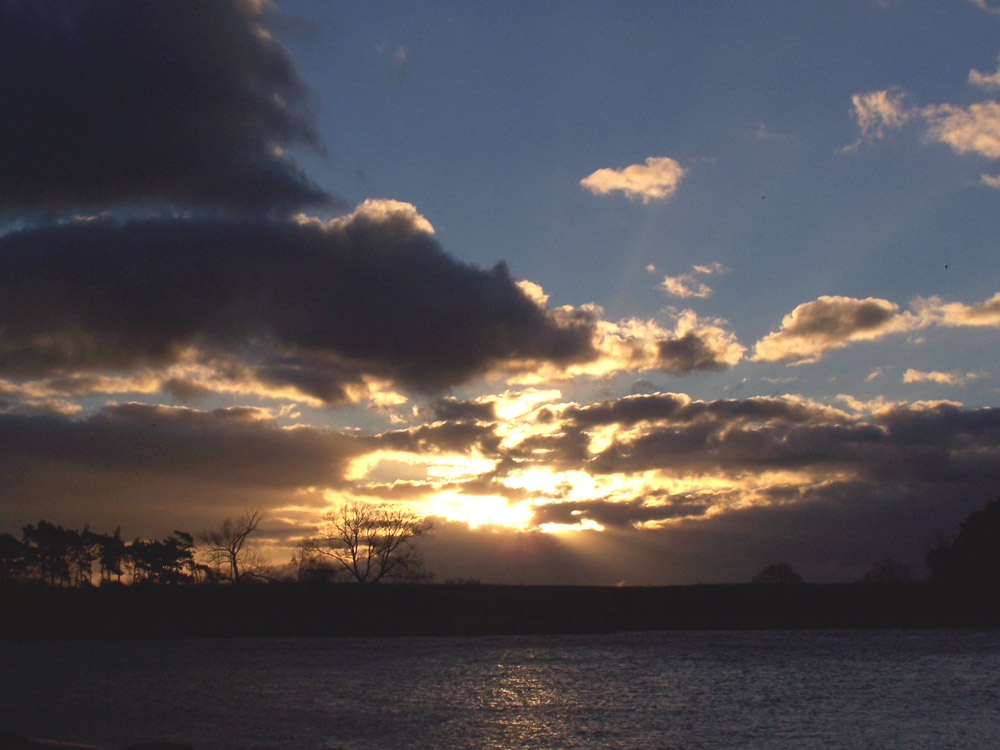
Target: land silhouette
[159, 589]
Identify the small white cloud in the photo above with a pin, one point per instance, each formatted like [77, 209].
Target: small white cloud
[650, 268]
[992, 181]
[657, 179]
[379, 210]
[714, 267]
[985, 80]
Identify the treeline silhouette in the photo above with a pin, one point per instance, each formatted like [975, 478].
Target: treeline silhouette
[357, 542]
[51, 572]
[53, 555]
[56, 556]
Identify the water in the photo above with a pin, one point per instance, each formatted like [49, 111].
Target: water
[830, 689]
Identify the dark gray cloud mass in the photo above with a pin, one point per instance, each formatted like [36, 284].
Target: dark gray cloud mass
[308, 305]
[234, 446]
[677, 409]
[450, 408]
[120, 101]
[136, 464]
[940, 444]
[618, 513]
[688, 353]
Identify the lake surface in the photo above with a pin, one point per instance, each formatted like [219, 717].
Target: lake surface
[772, 689]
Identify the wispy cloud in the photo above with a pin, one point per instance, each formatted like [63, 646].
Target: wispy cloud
[657, 179]
[985, 80]
[878, 112]
[968, 130]
[398, 58]
[972, 129]
[932, 310]
[936, 376]
[985, 5]
[685, 284]
[763, 133]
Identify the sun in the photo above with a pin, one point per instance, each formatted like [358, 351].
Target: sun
[480, 510]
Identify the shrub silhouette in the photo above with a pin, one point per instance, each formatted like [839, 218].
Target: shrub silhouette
[777, 573]
[973, 556]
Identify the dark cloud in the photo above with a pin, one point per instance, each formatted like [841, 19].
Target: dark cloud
[690, 352]
[235, 446]
[455, 437]
[677, 408]
[569, 446]
[627, 411]
[186, 101]
[306, 305]
[184, 389]
[618, 513]
[323, 377]
[154, 468]
[450, 408]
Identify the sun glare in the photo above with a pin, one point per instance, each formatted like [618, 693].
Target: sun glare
[485, 510]
[586, 524]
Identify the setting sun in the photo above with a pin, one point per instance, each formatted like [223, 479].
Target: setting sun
[479, 511]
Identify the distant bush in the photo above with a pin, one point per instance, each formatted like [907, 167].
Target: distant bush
[973, 556]
[777, 573]
[889, 571]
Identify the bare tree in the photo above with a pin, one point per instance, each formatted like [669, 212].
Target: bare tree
[371, 543]
[225, 548]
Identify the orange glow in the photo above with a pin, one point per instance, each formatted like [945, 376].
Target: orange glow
[487, 510]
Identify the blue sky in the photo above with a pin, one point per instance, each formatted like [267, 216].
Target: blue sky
[643, 292]
[487, 119]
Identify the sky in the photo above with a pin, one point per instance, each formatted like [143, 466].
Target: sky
[641, 293]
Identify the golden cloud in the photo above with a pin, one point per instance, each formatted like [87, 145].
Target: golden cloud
[657, 179]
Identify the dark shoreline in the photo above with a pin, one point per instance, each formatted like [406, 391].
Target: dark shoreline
[34, 612]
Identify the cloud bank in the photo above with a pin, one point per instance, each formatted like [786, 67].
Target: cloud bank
[706, 486]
